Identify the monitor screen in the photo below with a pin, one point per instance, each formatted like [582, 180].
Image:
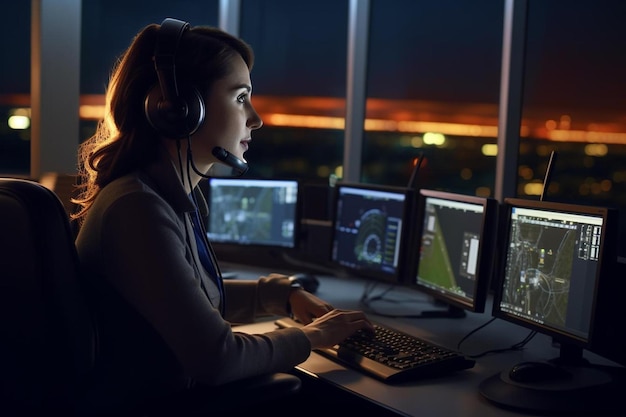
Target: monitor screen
[454, 244]
[369, 230]
[555, 278]
[551, 268]
[253, 212]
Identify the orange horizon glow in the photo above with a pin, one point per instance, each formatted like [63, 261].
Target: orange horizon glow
[382, 115]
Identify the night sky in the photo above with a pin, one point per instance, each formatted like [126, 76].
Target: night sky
[444, 50]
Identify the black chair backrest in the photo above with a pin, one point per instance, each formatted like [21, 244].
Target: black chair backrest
[47, 334]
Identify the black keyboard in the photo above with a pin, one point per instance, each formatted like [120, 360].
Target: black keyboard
[391, 355]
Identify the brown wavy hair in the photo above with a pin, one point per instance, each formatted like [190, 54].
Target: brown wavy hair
[124, 139]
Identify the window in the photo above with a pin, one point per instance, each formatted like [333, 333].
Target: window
[299, 80]
[433, 86]
[574, 103]
[15, 90]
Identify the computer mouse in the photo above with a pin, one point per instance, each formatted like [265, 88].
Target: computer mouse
[308, 281]
[537, 371]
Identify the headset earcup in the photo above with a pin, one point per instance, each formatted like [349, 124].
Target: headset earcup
[172, 124]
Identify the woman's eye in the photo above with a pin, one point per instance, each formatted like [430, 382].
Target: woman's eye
[242, 98]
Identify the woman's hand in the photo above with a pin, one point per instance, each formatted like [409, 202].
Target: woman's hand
[324, 325]
[335, 326]
[305, 307]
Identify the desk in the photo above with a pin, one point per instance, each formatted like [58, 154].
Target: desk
[452, 395]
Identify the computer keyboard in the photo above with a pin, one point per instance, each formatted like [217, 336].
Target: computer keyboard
[391, 355]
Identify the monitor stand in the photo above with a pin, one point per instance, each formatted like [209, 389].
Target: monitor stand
[592, 389]
[451, 312]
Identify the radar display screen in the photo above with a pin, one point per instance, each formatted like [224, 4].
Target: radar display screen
[368, 229]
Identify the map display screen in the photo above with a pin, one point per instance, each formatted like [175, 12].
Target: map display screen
[551, 268]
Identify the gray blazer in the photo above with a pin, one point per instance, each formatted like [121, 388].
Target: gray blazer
[159, 329]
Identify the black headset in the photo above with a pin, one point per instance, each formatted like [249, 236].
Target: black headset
[175, 110]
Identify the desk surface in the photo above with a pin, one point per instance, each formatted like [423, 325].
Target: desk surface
[452, 395]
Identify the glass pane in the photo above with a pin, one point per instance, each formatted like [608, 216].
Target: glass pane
[433, 87]
[574, 103]
[15, 89]
[299, 86]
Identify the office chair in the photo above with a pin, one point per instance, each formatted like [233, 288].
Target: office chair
[63, 186]
[48, 334]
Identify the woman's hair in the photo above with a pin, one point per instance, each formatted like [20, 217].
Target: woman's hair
[124, 140]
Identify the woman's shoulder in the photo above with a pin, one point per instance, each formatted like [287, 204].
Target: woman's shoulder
[137, 196]
[127, 191]
[128, 183]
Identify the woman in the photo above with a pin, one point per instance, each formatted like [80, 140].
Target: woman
[178, 97]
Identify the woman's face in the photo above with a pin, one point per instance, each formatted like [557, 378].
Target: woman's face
[230, 117]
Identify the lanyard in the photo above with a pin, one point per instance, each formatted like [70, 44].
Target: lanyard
[207, 256]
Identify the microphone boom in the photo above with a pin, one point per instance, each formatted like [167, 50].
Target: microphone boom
[239, 166]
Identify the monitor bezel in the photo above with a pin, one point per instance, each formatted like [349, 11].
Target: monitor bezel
[486, 263]
[366, 273]
[296, 243]
[602, 289]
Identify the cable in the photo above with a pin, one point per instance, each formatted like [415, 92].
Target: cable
[516, 346]
[367, 299]
[458, 346]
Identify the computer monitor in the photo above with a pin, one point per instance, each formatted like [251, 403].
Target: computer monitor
[556, 277]
[262, 212]
[369, 230]
[452, 250]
